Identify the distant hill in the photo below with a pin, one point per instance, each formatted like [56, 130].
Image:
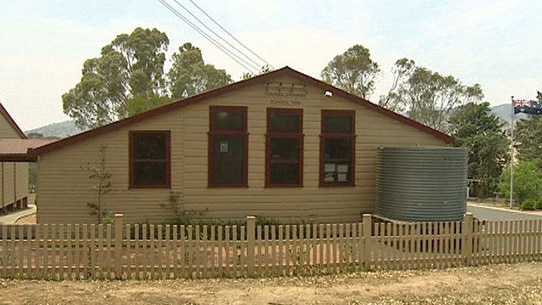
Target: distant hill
[504, 111]
[58, 130]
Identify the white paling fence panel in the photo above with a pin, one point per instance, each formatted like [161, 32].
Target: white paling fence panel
[509, 241]
[157, 251]
[400, 245]
[147, 251]
[307, 249]
[56, 252]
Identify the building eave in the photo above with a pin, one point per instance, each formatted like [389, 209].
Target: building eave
[267, 77]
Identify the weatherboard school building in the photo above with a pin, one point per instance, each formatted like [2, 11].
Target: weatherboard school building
[281, 145]
[14, 163]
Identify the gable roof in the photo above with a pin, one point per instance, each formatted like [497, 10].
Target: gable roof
[11, 122]
[283, 72]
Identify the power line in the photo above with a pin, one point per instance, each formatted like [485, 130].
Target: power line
[210, 39]
[243, 63]
[219, 36]
[231, 35]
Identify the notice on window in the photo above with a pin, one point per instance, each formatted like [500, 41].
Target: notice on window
[330, 167]
[342, 168]
[223, 147]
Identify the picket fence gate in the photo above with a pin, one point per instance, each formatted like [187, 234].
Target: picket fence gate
[128, 251]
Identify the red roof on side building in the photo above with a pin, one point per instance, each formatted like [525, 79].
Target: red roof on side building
[16, 150]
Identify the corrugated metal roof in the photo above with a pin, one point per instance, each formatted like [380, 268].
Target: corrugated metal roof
[16, 150]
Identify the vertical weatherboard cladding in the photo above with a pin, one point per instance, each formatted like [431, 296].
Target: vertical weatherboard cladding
[421, 183]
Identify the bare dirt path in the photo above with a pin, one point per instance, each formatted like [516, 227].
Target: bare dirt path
[494, 284]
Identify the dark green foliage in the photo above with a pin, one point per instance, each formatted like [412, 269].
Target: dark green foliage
[531, 204]
[528, 139]
[190, 75]
[527, 182]
[475, 128]
[141, 103]
[193, 225]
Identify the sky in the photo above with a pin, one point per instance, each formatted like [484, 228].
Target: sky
[497, 43]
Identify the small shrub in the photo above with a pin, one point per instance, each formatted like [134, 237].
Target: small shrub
[109, 218]
[529, 204]
[539, 204]
[182, 216]
[266, 221]
[102, 185]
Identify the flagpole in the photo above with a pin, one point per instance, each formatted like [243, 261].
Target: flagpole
[512, 155]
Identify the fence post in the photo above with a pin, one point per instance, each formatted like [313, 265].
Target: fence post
[467, 238]
[367, 232]
[251, 235]
[118, 245]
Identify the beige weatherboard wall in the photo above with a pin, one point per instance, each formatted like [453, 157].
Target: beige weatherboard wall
[64, 188]
[13, 175]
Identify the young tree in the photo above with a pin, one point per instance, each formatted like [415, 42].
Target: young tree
[427, 96]
[353, 71]
[102, 185]
[478, 130]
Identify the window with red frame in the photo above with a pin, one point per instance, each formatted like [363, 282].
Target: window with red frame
[337, 148]
[228, 147]
[284, 147]
[150, 159]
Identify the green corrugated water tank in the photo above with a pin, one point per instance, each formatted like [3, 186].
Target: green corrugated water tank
[421, 183]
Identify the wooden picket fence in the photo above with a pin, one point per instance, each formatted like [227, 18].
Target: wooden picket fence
[127, 251]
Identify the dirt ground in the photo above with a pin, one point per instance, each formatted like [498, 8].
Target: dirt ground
[30, 220]
[495, 284]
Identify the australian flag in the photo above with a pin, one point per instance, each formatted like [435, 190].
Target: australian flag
[527, 106]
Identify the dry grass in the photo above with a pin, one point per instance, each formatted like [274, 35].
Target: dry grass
[494, 284]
